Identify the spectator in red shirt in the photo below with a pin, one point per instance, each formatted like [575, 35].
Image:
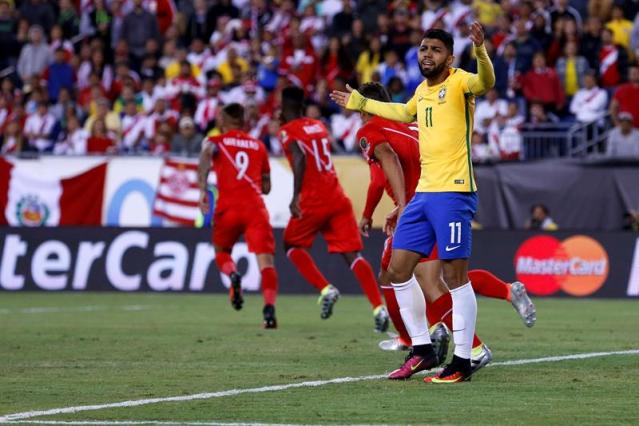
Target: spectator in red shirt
[626, 97]
[541, 84]
[100, 141]
[612, 61]
[299, 63]
[335, 62]
[92, 92]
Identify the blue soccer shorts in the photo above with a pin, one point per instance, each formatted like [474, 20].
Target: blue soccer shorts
[442, 218]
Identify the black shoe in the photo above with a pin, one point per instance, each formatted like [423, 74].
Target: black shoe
[235, 292]
[457, 371]
[269, 316]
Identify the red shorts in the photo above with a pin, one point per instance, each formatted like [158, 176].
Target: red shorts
[335, 221]
[230, 222]
[388, 251]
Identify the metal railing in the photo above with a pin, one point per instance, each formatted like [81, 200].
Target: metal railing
[555, 140]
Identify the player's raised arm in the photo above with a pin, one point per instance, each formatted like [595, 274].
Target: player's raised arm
[354, 100]
[299, 168]
[206, 154]
[480, 83]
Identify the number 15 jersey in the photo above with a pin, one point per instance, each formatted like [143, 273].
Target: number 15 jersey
[239, 161]
[320, 184]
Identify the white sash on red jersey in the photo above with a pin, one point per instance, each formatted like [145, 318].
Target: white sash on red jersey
[609, 59]
[245, 176]
[10, 145]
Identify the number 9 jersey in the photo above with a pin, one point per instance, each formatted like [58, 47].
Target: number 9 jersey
[325, 207]
[239, 162]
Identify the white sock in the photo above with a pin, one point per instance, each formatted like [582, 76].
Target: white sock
[412, 308]
[464, 318]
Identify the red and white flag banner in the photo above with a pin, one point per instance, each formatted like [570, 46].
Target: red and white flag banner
[28, 199]
[177, 193]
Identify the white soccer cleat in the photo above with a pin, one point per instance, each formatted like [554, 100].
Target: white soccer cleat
[327, 300]
[522, 303]
[382, 320]
[480, 357]
[392, 344]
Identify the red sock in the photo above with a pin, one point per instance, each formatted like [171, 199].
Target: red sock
[488, 285]
[441, 310]
[307, 267]
[366, 277]
[396, 317]
[269, 285]
[225, 263]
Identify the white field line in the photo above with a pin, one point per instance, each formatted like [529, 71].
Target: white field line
[59, 309]
[11, 418]
[159, 423]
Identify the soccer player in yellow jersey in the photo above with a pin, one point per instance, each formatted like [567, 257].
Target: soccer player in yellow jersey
[445, 201]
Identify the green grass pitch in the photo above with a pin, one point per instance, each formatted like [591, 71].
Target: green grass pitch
[63, 350]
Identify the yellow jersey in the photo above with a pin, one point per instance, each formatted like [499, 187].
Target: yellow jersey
[444, 115]
[445, 118]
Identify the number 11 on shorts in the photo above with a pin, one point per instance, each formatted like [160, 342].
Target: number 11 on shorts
[455, 237]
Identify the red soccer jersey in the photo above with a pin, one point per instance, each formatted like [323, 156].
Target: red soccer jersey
[239, 162]
[320, 180]
[627, 95]
[404, 140]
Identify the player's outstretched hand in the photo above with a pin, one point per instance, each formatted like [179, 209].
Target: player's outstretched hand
[204, 202]
[477, 33]
[341, 98]
[391, 222]
[365, 226]
[295, 209]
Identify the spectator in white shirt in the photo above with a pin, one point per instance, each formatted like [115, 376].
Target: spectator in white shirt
[133, 123]
[482, 152]
[75, 142]
[38, 128]
[245, 93]
[589, 103]
[13, 141]
[207, 109]
[623, 140]
[505, 139]
[488, 109]
[344, 128]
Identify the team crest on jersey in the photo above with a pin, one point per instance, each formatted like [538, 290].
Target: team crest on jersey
[31, 211]
[283, 135]
[442, 95]
[363, 143]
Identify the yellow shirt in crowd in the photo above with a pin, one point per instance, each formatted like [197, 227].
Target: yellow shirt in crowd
[621, 29]
[366, 65]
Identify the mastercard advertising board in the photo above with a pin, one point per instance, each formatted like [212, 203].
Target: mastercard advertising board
[578, 265]
[562, 264]
[558, 264]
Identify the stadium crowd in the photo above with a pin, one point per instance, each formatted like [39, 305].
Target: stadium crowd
[134, 76]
